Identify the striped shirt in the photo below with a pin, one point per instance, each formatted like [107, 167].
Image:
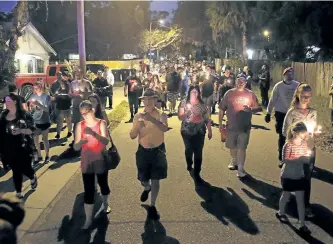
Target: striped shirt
[294, 169]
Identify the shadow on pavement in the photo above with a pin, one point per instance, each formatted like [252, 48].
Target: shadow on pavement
[271, 196]
[261, 127]
[155, 232]
[70, 230]
[68, 156]
[55, 143]
[323, 175]
[226, 206]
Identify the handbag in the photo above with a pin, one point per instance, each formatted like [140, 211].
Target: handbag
[111, 156]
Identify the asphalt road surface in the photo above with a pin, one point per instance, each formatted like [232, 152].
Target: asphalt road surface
[222, 210]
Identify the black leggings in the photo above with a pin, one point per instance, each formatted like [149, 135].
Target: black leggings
[89, 186]
[193, 147]
[264, 96]
[279, 118]
[20, 167]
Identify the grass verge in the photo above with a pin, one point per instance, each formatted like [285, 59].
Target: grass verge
[325, 140]
[118, 114]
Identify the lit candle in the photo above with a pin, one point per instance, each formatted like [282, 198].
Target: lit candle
[309, 153]
[141, 120]
[33, 100]
[310, 127]
[246, 102]
[189, 106]
[12, 127]
[318, 129]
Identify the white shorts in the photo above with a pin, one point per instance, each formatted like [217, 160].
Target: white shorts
[237, 140]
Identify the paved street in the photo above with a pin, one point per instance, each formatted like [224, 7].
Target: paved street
[223, 210]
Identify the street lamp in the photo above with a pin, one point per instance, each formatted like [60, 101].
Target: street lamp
[266, 34]
[161, 22]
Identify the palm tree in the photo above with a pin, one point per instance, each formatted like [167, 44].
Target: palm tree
[231, 17]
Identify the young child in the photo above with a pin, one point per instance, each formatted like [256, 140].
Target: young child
[294, 155]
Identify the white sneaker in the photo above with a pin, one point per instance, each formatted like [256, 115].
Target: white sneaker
[241, 173]
[233, 165]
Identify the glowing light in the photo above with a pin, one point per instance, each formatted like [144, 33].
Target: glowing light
[141, 120]
[161, 21]
[12, 127]
[246, 102]
[310, 127]
[318, 131]
[189, 106]
[309, 153]
[266, 33]
[250, 53]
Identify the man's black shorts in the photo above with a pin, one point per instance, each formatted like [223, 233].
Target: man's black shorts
[151, 163]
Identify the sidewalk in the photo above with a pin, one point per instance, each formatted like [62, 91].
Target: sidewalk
[52, 177]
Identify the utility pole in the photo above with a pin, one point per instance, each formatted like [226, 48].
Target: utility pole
[81, 36]
[150, 42]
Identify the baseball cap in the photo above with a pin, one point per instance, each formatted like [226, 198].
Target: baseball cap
[287, 69]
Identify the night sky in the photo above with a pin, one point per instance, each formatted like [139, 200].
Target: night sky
[7, 6]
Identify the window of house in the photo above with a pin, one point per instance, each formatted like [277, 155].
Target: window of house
[52, 71]
[30, 66]
[40, 66]
[17, 64]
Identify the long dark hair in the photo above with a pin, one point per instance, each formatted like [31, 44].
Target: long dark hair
[20, 112]
[98, 109]
[192, 87]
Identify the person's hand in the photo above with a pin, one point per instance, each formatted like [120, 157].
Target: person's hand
[83, 141]
[210, 135]
[247, 108]
[222, 128]
[89, 131]
[16, 131]
[268, 118]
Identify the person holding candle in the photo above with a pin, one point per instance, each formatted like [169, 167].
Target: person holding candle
[293, 179]
[91, 137]
[195, 119]
[149, 127]
[16, 143]
[282, 95]
[40, 104]
[239, 104]
[300, 111]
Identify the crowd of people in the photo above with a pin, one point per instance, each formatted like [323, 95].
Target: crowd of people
[200, 90]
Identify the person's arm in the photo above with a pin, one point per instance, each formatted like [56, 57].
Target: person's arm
[255, 108]
[45, 108]
[126, 88]
[222, 108]
[288, 120]
[79, 142]
[137, 126]
[103, 137]
[111, 78]
[161, 124]
[105, 117]
[273, 99]
[208, 121]
[182, 115]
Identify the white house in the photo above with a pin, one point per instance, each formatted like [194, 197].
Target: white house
[33, 52]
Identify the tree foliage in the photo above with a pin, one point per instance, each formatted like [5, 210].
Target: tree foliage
[158, 39]
[293, 26]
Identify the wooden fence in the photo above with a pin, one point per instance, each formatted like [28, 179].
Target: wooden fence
[317, 75]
